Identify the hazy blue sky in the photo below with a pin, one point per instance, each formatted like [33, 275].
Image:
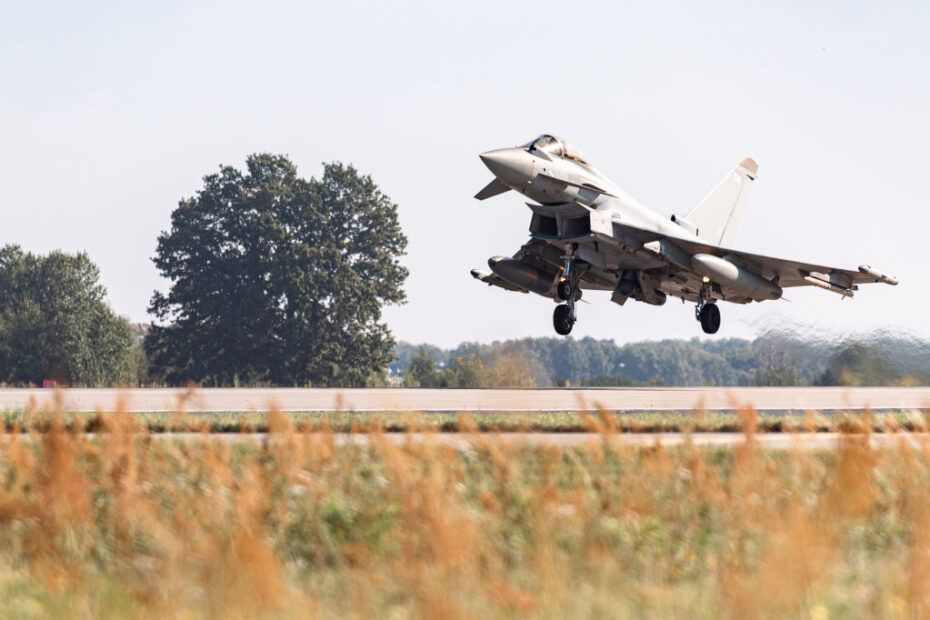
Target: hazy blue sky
[112, 112]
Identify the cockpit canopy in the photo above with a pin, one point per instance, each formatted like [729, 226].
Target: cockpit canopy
[555, 146]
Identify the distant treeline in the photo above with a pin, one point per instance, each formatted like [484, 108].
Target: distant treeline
[775, 358]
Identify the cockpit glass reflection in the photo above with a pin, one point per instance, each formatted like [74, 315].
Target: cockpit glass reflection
[554, 146]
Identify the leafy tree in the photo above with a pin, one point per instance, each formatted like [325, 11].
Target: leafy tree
[277, 279]
[469, 371]
[422, 371]
[55, 324]
[859, 364]
[777, 368]
[512, 371]
[404, 352]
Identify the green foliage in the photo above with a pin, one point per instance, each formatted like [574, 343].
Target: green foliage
[858, 365]
[403, 354]
[564, 360]
[422, 371]
[638, 421]
[602, 381]
[775, 358]
[55, 324]
[777, 367]
[469, 370]
[314, 524]
[277, 279]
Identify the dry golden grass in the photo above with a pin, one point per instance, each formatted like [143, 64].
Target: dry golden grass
[122, 524]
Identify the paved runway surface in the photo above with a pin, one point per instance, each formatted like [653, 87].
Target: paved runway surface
[468, 441]
[462, 441]
[396, 399]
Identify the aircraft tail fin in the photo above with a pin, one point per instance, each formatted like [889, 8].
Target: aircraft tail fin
[716, 217]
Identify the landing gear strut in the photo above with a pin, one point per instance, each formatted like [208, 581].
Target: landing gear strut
[563, 319]
[707, 312]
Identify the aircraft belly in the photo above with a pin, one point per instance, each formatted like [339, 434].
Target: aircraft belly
[622, 260]
[598, 280]
[591, 253]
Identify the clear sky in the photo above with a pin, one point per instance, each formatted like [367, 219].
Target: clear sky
[110, 112]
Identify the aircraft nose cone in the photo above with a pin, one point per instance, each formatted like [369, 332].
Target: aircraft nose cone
[514, 167]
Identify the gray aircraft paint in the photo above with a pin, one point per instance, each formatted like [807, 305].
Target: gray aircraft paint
[588, 231]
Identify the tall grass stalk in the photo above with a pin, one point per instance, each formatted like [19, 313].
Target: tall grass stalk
[122, 524]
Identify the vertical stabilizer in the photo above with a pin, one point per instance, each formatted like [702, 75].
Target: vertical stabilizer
[716, 217]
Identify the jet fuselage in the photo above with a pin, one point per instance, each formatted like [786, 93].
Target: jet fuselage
[555, 181]
[587, 233]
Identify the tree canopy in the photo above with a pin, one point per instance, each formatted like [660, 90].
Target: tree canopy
[55, 323]
[468, 370]
[773, 359]
[277, 279]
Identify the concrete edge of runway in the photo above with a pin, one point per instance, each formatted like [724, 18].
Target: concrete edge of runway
[469, 441]
[631, 412]
[785, 400]
[787, 412]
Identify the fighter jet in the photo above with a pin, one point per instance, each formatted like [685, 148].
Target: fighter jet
[588, 234]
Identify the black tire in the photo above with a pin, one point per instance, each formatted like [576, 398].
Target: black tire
[710, 318]
[562, 320]
[564, 290]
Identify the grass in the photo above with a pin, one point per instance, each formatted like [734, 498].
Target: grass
[567, 422]
[123, 524]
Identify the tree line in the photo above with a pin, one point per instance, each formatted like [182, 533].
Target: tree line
[56, 326]
[468, 370]
[274, 280]
[777, 358]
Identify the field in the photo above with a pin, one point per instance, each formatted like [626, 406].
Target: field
[554, 422]
[123, 524]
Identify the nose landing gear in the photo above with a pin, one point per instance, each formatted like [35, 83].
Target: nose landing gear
[563, 319]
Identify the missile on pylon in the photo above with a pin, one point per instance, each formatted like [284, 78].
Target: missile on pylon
[828, 286]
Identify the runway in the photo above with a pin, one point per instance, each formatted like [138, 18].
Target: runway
[468, 441]
[765, 399]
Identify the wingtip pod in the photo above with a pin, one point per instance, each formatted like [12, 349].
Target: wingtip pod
[878, 275]
[751, 166]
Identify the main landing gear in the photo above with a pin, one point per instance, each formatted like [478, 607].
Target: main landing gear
[563, 319]
[707, 313]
